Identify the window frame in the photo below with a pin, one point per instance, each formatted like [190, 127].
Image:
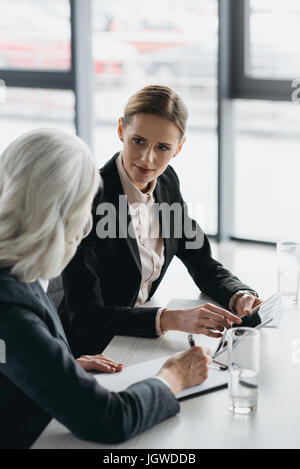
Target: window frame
[233, 83]
[77, 79]
[244, 86]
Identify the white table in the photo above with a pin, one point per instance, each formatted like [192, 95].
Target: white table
[204, 421]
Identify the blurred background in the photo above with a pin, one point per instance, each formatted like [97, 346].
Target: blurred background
[240, 167]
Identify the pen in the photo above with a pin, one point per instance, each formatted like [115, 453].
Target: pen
[222, 365]
[191, 340]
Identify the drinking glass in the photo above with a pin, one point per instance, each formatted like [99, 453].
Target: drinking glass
[244, 362]
[288, 263]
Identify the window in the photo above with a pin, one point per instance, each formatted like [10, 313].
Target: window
[28, 109]
[35, 34]
[267, 169]
[265, 53]
[134, 46]
[35, 55]
[274, 36]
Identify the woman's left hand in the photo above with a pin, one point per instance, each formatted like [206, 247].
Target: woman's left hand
[99, 363]
[246, 303]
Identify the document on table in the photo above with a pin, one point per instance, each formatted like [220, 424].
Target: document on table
[217, 379]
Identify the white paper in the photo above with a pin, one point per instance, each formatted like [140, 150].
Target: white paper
[135, 373]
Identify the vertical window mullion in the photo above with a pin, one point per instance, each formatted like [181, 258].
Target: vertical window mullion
[82, 68]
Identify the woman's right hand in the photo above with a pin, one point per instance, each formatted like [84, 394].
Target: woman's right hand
[186, 369]
[199, 320]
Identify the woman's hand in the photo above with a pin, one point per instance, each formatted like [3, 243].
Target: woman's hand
[99, 363]
[199, 320]
[245, 303]
[186, 369]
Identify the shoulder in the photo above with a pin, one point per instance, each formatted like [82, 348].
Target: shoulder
[169, 177]
[25, 313]
[16, 295]
[110, 166]
[111, 181]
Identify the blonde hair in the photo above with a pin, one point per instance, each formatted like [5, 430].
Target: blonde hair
[48, 180]
[158, 100]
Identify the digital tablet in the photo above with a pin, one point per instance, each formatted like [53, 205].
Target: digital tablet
[266, 314]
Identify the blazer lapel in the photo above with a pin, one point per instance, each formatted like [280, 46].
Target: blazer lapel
[112, 189]
[47, 302]
[160, 196]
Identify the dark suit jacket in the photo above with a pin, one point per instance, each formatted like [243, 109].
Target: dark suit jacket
[102, 281]
[41, 379]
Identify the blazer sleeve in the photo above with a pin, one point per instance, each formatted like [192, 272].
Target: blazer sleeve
[40, 365]
[195, 252]
[90, 323]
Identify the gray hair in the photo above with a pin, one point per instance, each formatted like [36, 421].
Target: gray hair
[48, 179]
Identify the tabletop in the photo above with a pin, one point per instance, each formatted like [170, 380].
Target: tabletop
[204, 421]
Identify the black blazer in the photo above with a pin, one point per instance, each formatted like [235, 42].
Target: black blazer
[102, 281]
[41, 379]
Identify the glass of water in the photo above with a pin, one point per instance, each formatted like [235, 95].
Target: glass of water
[288, 262]
[244, 361]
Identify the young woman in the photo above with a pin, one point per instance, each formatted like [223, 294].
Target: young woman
[120, 265]
[48, 180]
